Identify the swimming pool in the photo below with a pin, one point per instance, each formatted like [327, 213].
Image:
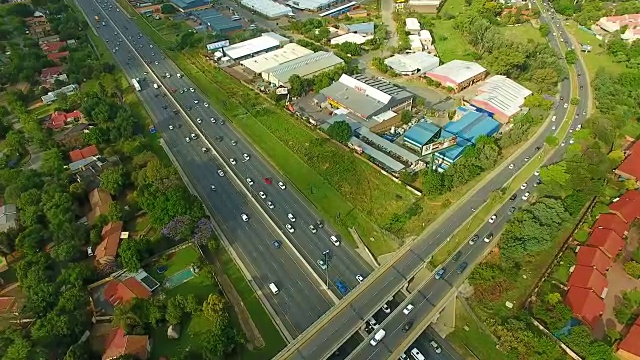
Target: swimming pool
[180, 277]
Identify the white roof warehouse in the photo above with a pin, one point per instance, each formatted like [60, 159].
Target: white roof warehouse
[274, 58]
[501, 96]
[305, 66]
[256, 46]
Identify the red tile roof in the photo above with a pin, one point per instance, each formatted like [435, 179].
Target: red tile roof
[607, 240]
[135, 286]
[77, 155]
[53, 47]
[585, 305]
[119, 344]
[110, 241]
[593, 257]
[7, 305]
[588, 278]
[60, 118]
[631, 342]
[628, 206]
[631, 164]
[612, 222]
[51, 71]
[118, 292]
[58, 55]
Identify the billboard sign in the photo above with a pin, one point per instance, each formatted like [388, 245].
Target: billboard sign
[439, 145]
[217, 45]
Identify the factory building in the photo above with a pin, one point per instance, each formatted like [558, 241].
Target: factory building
[412, 64]
[213, 20]
[260, 63]
[191, 5]
[268, 8]
[305, 66]
[253, 47]
[314, 5]
[501, 97]
[458, 74]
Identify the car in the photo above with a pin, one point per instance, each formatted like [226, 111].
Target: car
[407, 326]
[199, 121]
[213, 187]
[322, 264]
[244, 217]
[407, 309]
[204, 149]
[221, 122]
[206, 104]
[537, 172]
[188, 139]
[372, 322]
[289, 228]
[281, 185]
[262, 195]
[220, 172]
[232, 161]
[170, 127]
[267, 181]
[493, 218]
[571, 141]
[157, 63]
[334, 240]
[246, 157]
[513, 197]
[312, 229]
[523, 186]
[579, 126]
[249, 181]
[462, 267]
[270, 205]
[511, 166]
[488, 237]
[276, 244]
[563, 143]
[291, 217]
[456, 256]
[527, 159]
[165, 106]
[570, 130]
[194, 136]
[474, 239]
[436, 347]
[195, 101]
[179, 75]
[192, 90]
[234, 143]
[386, 309]
[213, 120]
[416, 354]
[566, 105]
[512, 210]
[342, 287]
[553, 127]
[167, 75]
[525, 196]
[360, 278]
[319, 224]
[440, 273]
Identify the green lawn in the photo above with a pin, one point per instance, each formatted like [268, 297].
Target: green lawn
[450, 44]
[597, 58]
[471, 341]
[523, 33]
[168, 28]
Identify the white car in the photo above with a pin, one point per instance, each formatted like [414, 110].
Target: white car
[563, 143]
[407, 309]
[246, 157]
[579, 127]
[220, 172]
[360, 278]
[270, 205]
[170, 127]
[416, 354]
[553, 127]
[571, 141]
[493, 218]
[566, 105]
[262, 195]
[213, 187]
[244, 217]
[192, 90]
[435, 347]
[213, 120]
[537, 172]
[232, 161]
[313, 229]
[188, 139]
[199, 120]
[167, 75]
[289, 228]
[523, 186]
[281, 185]
[204, 149]
[291, 217]
[179, 75]
[249, 181]
[511, 166]
[525, 196]
[206, 104]
[334, 240]
[194, 136]
[386, 309]
[195, 101]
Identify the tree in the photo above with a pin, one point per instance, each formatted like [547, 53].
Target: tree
[116, 212]
[131, 252]
[15, 141]
[52, 162]
[79, 351]
[215, 308]
[113, 179]
[175, 309]
[633, 269]
[552, 140]
[544, 30]
[571, 57]
[406, 116]
[340, 131]
[575, 101]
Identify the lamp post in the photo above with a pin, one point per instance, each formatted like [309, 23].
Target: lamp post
[326, 263]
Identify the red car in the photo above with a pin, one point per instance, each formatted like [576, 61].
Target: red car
[173, 90]
[267, 181]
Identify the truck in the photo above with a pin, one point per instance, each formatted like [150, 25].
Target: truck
[135, 84]
[97, 18]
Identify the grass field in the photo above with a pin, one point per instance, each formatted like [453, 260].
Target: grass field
[449, 43]
[597, 58]
[469, 338]
[523, 33]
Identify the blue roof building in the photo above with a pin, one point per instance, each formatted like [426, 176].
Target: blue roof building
[467, 129]
[214, 20]
[421, 134]
[188, 5]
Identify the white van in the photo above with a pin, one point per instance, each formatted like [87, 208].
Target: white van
[155, 86]
[416, 354]
[235, 18]
[274, 288]
[377, 337]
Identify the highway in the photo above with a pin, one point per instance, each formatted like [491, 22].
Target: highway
[350, 314]
[300, 301]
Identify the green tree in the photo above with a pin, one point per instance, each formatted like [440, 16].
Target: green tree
[116, 212]
[340, 131]
[406, 116]
[544, 29]
[167, 9]
[175, 309]
[53, 162]
[571, 57]
[575, 101]
[132, 251]
[215, 308]
[633, 269]
[552, 141]
[113, 179]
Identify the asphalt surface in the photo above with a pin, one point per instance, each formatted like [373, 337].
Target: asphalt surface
[300, 302]
[349, 318]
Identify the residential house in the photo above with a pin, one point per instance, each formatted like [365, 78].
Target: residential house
[8, 216]
[629, 347]
[612, 222]
[630, 23]
[72, 136]
[588, 278]
[53, 95]
[60, 118]
[79, 154]
[119, 344]
[57, 57]
[594, 258]
[107, 250]
[122, 291]
[630, 167]
[606, 240]
[100, 200]
[53, 47]
[48, 39]
[49, 75]
[627, 206]
[585, 304]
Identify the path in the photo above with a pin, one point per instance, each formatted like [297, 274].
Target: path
[387, 9]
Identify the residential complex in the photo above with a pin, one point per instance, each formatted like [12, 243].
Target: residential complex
[630, 22]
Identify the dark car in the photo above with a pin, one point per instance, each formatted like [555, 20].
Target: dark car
[513, 197]
[175, 111]
[474, 239]
[342, 287]
[456, 256]
[462, 267]
[407, 326]
[165, 107]
[512, 210]
[277, 244]
[320, 224]
[440, 273]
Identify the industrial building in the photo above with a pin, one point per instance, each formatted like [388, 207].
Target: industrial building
[213, 20]
[367, 28]
[415, 44]
[502, 97]
[314, 5]
[458, 74]
[412, 64]
[374, 101]
[424, 6]
[274, 58]
[420, 135]
[254, 47]
[351, 37]
[305, 66]
[349, 8]
[412, 26]
[191, 5]
[466, 130]
[268, 8]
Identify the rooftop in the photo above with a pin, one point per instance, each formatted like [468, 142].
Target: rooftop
[355, 38]
[100, 200]
[305, 65]
[366, 28]
[420, 133]
[631, 164]
[274, 58]
[607, 240]
[264, 42]
[58, 55]
[586, 305]
[388, 145]
[458, 70]
[77, 155]
[309, 4]
[593, 257]
[119, 344]
[628, 206]
[108, 248]
[217, 21]
[588, 278]
[269, 8]
[471, 126]
[412, 24]
[379, 156]
[51, 71]
[502, 94]
[631, 342]
[120, 292]
[190, 4]
[418, 62]
[612, 222]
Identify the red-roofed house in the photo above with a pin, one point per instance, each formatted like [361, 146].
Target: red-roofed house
[612, 222]
[77, 155]
[119, 344]
[588, 278]
[53, 47]
[100, 200]
[60, 118]
[607, 241]
[629, 347]
[107, 250]
[630, 167]
[58, 56]
[119, 292]
[594, 258]
[628, 206]
[586, 305]
[51, 73]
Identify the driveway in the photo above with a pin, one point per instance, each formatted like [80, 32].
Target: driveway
[387, 8]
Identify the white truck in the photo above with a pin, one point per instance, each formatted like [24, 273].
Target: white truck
[135, 84]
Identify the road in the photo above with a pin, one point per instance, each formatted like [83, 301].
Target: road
[300, 302]
[348, 316]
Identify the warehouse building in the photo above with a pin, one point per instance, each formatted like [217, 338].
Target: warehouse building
[314, 5]
[305, 66]
[213, 20]
[420, 135]
[351, 37]
[458, 74]
[412, 64]
[466, 131]
[253, 47]
[367, 28]
[268, 8]
[191, 5]
[412, 26]
[274, 58]
[502, 97]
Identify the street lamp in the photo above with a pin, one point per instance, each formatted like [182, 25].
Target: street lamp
[326, 263]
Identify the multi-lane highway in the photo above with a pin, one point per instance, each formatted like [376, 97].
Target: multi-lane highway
[299, 302]
[349, 315]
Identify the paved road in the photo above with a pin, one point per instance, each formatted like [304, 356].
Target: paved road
[345, 320]
[299, 302]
